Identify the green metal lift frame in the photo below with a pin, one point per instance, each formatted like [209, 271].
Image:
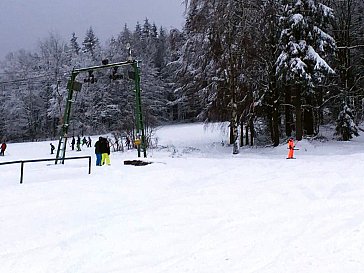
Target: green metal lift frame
[73, 85]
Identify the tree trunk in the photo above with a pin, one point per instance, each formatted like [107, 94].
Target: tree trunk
[241, 132]
[273, 115]
[308, 121]
[234, 124]
[275, 125]
[247, 134]
[231, 139]
[319, 113]
[298, 106]
[270, 124]
[288, 111]
[251, 127]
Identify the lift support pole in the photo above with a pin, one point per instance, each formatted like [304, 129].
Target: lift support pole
[73, 85]
[139, 112]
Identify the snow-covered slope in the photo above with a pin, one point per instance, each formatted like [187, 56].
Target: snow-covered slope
[197, 208]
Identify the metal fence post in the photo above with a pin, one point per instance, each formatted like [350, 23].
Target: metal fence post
[21, 171]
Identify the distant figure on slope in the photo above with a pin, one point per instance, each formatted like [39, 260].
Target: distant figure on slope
[73, 143]
[78, 144]
[89, 142]
[3, 148]
[52, 148]
[127, 142]
[84, 141]
[290, 148]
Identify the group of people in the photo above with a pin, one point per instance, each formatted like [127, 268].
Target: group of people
[87, 142]
[102, 151]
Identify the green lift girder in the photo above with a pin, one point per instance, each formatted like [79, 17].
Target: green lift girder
[74, 86]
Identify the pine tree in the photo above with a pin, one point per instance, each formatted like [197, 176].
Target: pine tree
[91, 45]
[349, 35]
[304, 44]
[75, 47]
[345, 126]
[218, 58]
[268, 41]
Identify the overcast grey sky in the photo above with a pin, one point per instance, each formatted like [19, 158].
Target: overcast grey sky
[23, 23]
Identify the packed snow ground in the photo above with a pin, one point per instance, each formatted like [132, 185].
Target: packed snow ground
[197, 208]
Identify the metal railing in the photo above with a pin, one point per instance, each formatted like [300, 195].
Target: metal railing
[40, 160]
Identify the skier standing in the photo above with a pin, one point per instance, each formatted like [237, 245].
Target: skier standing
[3, 148]
[84, 141]
[73, 143]
[105, 151]
[290, 148]
[78, 144]
[52, 148]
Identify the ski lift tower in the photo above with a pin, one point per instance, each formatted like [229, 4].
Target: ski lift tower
[75, 86]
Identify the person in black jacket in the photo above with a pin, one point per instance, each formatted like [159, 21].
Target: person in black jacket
[84, 141]
[98, 151]
[52, 148]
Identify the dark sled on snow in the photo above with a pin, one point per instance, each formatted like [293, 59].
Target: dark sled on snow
[136, 162]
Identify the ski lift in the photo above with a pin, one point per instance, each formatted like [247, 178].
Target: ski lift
[91, 77]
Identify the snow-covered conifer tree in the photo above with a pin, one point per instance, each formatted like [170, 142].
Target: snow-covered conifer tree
[304, 45]
[345, 126]
[91, 45]
[349, 35]
[75, 47]
[217, 59]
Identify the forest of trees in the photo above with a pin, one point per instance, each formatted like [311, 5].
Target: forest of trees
[271, 68]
